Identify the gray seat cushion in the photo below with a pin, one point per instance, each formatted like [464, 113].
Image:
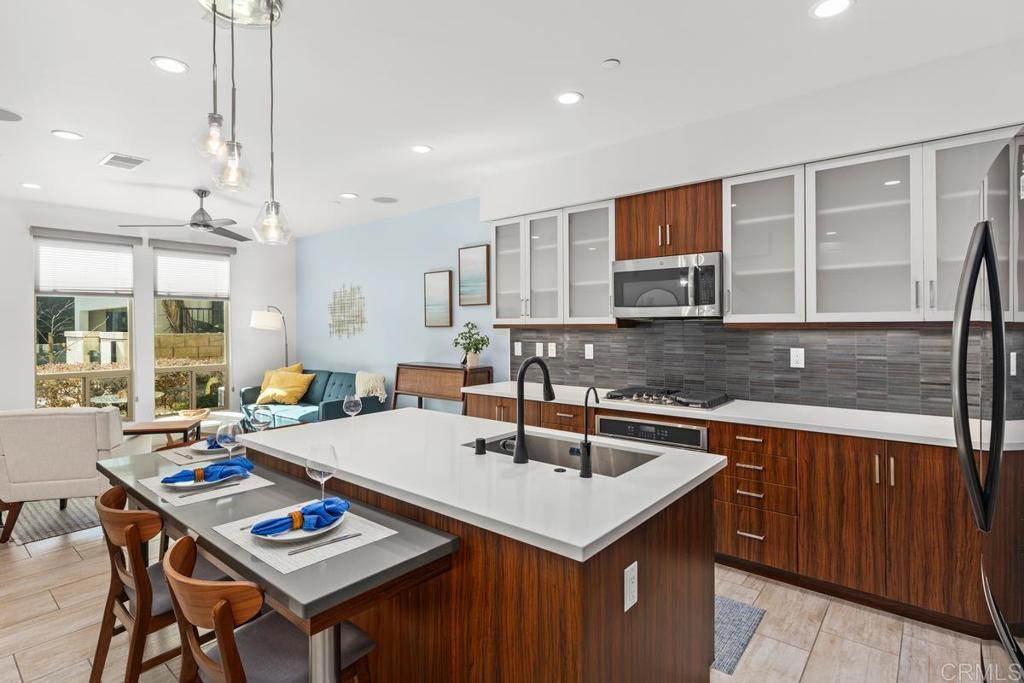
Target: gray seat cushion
[162, 593]
[274, 651]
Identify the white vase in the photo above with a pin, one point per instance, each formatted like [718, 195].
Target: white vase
[472, 359]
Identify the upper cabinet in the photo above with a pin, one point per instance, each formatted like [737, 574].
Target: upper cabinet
[554, 268]
[966, 179]
[864, 235]
[763, 217]
[682, 220]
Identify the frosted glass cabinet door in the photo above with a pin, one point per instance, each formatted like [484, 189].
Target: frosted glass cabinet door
[544, 268]
[967, 179]
[509, 299]
[864, 238]
[763, 241]
[589, 244]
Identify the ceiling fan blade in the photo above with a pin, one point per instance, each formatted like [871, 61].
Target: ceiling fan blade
[221, 222]
[230, 235]
[161, 225]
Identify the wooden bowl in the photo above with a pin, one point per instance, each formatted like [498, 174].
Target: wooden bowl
[197, 414]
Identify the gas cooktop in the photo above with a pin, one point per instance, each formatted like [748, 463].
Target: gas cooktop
[669, 396]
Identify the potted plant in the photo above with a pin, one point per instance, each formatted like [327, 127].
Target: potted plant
[472, 343]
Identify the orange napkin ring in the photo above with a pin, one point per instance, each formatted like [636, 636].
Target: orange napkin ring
[199, 474]
[296, 519]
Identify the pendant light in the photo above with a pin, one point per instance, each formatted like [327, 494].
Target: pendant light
[271, 227]
[232, 172]
[212, 139]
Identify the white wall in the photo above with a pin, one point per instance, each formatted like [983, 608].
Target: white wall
[260, 275]
[973, 91]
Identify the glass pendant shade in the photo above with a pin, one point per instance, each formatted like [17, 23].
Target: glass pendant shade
[244, 12]
[271, 226]
[231, 170]
[211, 140]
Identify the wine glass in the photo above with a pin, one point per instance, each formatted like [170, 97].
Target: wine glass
[262, 417]
[352, 405]
[227, 437]
[321, 464]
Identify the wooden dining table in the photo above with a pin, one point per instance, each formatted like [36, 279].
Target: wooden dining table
[317, 598]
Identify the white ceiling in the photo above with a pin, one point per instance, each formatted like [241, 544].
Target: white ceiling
[358, 82]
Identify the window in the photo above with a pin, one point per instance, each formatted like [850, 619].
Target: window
[83, 321]
[191, 330]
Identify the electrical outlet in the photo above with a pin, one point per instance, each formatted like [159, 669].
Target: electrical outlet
[518, 348]
[1013, 363]
[540, 349]
[552, 349]
[796, 358]
[631, 590]
[588, 352]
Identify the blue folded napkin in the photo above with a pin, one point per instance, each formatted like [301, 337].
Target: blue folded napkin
[214, 472]
[311, 517]
[212, 443]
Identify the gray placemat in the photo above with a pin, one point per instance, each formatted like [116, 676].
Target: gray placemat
[735, 624]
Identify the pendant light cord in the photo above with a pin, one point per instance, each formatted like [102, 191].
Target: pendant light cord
[215, 56]
[232, 70]
[270, 7]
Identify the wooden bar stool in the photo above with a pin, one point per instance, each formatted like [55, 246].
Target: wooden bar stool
[271, 648]
[138, 597]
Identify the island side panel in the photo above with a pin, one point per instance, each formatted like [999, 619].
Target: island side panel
[668, 635]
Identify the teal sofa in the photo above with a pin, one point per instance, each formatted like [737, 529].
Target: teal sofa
[322, 401]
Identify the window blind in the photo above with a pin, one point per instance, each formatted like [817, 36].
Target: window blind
[182, 274]
[73, 267]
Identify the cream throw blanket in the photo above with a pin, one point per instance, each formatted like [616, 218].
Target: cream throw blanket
[370, 384]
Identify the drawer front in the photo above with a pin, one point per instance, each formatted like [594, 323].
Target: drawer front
[759, 467]
[430, 382]
[767, 538]
[750, 439]
[561, 416]
[756, 494]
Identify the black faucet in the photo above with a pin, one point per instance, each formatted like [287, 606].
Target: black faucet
[586, 470]
[521, 456]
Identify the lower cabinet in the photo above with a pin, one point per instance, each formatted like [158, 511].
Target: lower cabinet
[767, 538]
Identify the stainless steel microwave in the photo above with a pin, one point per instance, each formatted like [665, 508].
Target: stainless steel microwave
[688, 286]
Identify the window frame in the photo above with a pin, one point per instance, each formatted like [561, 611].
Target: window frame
[193, 370]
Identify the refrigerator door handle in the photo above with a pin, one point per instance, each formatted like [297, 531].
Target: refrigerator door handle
[980, 250]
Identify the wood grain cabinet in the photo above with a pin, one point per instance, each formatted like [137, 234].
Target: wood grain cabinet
[682, 220]
[501, 409]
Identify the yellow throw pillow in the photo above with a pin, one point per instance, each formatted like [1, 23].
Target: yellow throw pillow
[266, 375]
[285, 387]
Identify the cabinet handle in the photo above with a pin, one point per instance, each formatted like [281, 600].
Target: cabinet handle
[878, 478]
[659, 235]
[931, 293]
[527, 307]
[892, 471]
[744, 534]
[497, 412]
[566, 415]
[668, 234]
[522, 307]
[917, 294]
[741, 492]
[728, 300]
[747, 466]
[751, 439]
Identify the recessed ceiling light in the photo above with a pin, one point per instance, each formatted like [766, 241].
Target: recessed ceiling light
[830, 234]
[571, 97]
[349, 195]
[734, 206]
[169, 64]
[386, 200]
[890, 183]
[32, 186]
[422, 149]
[536, 237]
[8, 115]
[826, 9]
[66, 134]
[611, 63]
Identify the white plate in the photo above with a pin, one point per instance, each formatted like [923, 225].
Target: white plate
[188, 485]
[200, 447]
[299, 534]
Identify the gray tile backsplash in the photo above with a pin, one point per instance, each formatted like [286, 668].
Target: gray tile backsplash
[904, 370]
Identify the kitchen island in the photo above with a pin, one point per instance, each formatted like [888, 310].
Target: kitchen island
[537, 589]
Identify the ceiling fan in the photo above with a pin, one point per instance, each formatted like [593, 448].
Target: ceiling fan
[201, 221]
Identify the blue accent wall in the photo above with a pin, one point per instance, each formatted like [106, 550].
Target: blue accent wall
[387, 260]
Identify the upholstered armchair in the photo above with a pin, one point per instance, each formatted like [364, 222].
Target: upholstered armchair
[51, 454]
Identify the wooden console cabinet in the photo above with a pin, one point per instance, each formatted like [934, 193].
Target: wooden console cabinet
[442, 381]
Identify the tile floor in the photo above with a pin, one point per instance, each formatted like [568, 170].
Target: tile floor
[51, 593]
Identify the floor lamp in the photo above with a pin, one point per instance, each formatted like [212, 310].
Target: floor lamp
[271, 319]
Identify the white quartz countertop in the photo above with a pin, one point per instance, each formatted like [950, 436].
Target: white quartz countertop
[418, 456]
[922, 429]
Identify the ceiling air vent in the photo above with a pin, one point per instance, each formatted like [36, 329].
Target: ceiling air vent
[125, 161]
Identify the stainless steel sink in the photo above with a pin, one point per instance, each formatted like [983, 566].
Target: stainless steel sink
[607, 461]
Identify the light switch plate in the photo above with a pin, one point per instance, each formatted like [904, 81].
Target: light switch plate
[631, 589]
[588, 351]
[1013, 363]
[540, 349]
[552, 349]
[518, 348]
[796, 358]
